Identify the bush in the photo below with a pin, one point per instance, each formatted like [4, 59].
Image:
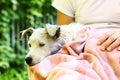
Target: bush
[15, 16]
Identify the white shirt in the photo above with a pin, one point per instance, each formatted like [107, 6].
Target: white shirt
[90, 11]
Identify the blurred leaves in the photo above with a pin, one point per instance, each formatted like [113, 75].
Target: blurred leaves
[13, 15]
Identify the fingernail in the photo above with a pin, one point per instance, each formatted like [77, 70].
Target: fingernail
[109, 49]
[119, 48]
[102, 48]
[98, 42]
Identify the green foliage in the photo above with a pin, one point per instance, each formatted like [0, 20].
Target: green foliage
[6, 56]
[16, 15]
[14, 74]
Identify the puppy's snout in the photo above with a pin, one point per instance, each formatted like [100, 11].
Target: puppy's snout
[28, 60]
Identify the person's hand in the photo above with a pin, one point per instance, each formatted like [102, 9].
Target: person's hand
[110, 40]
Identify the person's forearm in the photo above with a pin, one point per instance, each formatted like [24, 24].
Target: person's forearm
[63, 19]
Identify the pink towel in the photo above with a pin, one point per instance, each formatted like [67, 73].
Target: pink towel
[92, 64]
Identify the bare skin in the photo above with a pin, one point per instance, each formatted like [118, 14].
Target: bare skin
[63, 19]
[108, 41]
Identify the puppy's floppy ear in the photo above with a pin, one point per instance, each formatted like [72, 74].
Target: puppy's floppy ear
[28, 31]
[53, 30]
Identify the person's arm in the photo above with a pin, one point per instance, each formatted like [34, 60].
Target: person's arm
[63, 19]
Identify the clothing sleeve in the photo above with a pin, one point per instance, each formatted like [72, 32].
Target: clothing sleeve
[64, 6]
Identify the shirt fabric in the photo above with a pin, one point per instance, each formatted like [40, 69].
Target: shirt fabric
[90, 11]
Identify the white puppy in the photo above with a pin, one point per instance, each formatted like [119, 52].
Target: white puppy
[47, 41]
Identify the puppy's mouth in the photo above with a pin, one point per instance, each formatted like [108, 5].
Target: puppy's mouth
[51, 53]
[55, 50]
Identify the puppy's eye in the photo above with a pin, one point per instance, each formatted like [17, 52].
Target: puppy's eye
[41, 44]
[29, 45]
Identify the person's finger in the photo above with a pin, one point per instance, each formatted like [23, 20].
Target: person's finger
[104, 37]
[110, 41]
[118, 48]
[115, 44]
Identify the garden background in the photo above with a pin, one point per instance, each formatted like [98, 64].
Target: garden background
[17, 15]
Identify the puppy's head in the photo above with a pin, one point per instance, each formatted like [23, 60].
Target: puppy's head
[42, 42]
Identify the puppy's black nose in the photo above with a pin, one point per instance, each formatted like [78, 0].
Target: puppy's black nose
[28, 60]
